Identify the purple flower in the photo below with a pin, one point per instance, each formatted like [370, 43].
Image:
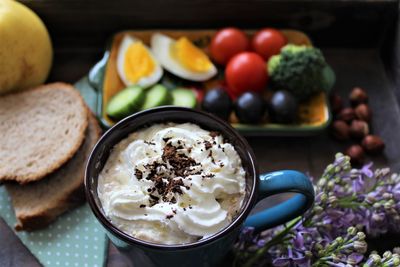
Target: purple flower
[261, 243]
[355, 258]
[300, 261]
[358, 177]
[292, 259]
[298, 241]
[366, 170]
[247, 234]
[347, 200]
[396, 192]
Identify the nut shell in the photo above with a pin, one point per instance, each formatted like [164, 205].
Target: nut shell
[358, 96]
[346, 114]
[340, 130]
[363, 112]
[373, 144]
[359, 129]
[356, 154]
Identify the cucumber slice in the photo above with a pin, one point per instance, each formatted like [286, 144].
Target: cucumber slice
[125, 102]
[184, 98]
[156, 96]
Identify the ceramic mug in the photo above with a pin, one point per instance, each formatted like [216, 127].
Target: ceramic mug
[211, 250]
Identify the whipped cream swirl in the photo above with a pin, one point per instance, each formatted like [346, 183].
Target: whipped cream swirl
[172, 184]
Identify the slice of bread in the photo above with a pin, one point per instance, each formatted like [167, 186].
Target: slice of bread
[39, 203]
[40, 130]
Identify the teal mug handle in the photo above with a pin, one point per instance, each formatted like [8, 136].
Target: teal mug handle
[282, 182]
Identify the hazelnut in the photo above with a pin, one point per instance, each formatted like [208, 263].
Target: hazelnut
[358, 96]
[336, 103]
[340, 130]
[359, 129]
[356, 154]
[373, 144]
[363, 112]
[346, 114]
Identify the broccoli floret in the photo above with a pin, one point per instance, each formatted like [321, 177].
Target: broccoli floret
[300, 70]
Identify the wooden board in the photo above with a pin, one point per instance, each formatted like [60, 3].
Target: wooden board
[308, 154]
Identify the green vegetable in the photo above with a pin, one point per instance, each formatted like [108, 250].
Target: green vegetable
[184, 98]
[156, 96]
[125, 102]
[301, 70]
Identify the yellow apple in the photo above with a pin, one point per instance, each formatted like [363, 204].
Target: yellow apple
[25, 48]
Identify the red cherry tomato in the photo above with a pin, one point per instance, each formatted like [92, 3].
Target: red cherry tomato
[246, 71]
[226, 43]
[268, 42]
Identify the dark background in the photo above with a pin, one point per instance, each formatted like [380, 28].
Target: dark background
[80, 28]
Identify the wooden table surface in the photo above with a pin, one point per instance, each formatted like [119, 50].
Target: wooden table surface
[307, 154]
[79, 28]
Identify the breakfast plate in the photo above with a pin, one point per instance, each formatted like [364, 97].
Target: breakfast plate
[104, 82]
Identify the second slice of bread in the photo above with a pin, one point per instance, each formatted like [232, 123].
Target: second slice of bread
[38, 203]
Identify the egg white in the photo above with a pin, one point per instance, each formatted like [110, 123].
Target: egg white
[160, 45]
[147, 81]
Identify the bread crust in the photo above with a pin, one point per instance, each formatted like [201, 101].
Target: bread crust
[32, 222]
[24, 179]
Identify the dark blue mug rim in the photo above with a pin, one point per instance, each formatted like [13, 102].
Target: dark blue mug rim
[102, 218]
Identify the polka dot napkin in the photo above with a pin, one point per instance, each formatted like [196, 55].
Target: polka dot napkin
[74, 239]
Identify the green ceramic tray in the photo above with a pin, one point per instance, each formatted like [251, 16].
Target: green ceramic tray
[103, 75]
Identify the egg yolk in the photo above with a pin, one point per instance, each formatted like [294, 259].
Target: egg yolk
[190, 56]
[138, 63]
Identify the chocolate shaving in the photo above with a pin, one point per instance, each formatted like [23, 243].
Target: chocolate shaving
[142, 206]
[211, 156]
[154, 197]
[168, 152]
[169, 216]
[209, 175]
[138, 174]
[159, 184]
[179, 162]
[207, 145]
[167, 173]
[173, 200]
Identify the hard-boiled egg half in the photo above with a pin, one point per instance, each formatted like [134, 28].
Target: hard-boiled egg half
[136, 64]
[182, 58]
